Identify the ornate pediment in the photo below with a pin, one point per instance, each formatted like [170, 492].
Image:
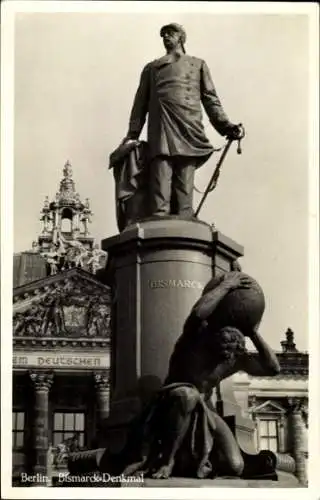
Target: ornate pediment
[268, 407]
[72, 304]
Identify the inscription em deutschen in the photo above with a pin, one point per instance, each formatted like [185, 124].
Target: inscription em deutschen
[57, 361]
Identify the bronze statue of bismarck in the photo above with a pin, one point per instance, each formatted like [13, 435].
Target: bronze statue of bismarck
[171, 91]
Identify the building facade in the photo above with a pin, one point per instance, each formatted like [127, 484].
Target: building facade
[60, 366]
[279, 405]
[61, 338]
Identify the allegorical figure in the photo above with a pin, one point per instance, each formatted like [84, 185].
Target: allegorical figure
[95, 261]
[180, 432]
[171, 92]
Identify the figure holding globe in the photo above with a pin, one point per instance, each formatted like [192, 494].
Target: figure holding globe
[181, 430]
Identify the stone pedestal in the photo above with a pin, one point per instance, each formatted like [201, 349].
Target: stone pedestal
[42, 383]
[158, 269]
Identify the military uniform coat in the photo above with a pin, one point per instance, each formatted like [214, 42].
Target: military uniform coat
[171, 91]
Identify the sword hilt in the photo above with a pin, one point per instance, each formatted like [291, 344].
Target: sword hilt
[239, 139]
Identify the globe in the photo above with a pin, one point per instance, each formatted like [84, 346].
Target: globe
[241, 308]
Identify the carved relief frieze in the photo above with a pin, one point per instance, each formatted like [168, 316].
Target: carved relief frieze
[70, 309]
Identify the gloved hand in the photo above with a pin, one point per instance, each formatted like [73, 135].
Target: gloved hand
[235, 132]
[129, 139]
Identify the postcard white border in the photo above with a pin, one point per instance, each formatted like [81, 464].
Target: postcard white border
[9, 9]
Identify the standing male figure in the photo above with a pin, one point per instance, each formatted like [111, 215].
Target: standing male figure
[171, 91]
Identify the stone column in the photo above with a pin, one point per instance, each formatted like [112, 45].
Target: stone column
[41, 383]
[102, 386]
[75, 227]
[296, 429]
[305, 419]
[252, 403]
[281, 424]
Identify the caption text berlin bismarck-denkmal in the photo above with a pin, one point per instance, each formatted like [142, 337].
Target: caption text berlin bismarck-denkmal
[66, 477]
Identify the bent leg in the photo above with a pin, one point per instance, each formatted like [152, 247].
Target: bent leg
[176, 421]
[227, 448]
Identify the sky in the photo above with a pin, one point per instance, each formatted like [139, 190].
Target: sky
[75, 79]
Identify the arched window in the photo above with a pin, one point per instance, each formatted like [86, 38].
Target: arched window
[66, 220]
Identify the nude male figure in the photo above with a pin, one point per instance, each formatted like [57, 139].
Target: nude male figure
[207, 352]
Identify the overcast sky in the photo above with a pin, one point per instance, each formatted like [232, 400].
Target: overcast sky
[75, 79]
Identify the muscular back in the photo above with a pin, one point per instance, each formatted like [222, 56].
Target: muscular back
[192, 358]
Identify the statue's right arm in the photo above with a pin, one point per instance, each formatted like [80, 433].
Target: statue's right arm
[140, 105]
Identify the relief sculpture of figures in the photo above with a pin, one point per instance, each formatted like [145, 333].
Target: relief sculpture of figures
[171, 92]
[180, 431]
[74, 251]
[54, 318]
[98, 318]
[68, 311]
[53, 257]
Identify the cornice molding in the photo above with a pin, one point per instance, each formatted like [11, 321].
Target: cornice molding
[22, 343]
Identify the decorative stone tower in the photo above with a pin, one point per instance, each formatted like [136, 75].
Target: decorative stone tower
[64, 241]
[66, 215]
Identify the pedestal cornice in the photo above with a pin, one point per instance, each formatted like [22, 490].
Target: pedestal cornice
[171, 233]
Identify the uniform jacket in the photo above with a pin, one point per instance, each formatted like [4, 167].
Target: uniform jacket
[171, 91]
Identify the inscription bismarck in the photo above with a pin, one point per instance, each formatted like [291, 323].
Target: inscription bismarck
[174, 283]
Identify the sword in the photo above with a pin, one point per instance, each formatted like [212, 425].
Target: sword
[215, 176]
